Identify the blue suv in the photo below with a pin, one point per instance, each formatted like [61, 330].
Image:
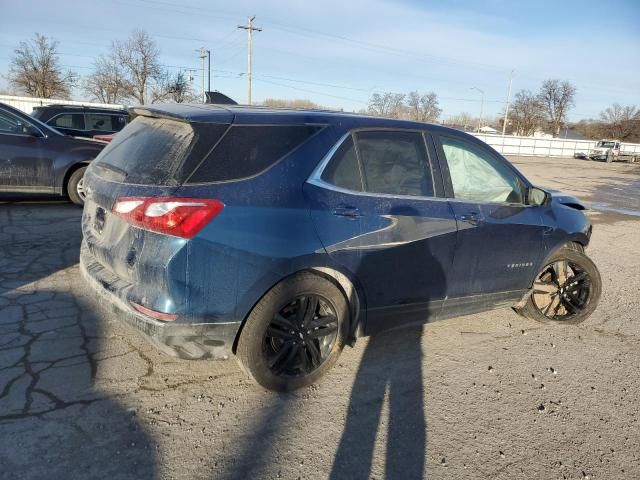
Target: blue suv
[279, 236]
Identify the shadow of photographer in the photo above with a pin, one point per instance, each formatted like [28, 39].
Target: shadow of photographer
[391, 366]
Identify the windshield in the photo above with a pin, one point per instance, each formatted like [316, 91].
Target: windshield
[606, 144]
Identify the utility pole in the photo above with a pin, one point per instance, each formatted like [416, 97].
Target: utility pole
[506, 105]
[481, 106]
[205, 54]
[250, 29]
[191, 73]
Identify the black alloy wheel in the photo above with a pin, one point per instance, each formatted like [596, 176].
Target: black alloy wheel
[300, 336]
[562, 290]
[295, 333]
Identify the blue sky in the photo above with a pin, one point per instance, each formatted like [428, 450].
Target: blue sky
[336, 52]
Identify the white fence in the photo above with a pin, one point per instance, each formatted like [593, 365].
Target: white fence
[26, 104]
[545, 147]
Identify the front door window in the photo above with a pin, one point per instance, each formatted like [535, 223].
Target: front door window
[478, 176]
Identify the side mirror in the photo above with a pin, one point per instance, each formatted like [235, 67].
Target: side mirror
[28, 129]
[33, 131]
[537, 196]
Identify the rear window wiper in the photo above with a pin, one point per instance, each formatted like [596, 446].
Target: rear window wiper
[122, 174]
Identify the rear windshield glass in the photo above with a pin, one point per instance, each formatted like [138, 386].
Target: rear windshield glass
[248, 150]
[157, 151]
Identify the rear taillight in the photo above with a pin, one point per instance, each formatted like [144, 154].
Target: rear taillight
[180, 217]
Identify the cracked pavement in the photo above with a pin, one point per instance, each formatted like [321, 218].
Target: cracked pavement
[483, 396]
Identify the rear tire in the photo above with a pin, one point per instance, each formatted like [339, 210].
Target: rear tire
[75, 186]
[283, 349]
[576, 293]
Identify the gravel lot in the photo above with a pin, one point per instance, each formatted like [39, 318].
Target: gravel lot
[483, 396]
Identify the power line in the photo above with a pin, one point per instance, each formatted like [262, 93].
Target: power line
[320, 84]
[236, 48]
[312, 91]
[201, 11]
[297, 30]
[190, 10]
[181, 67]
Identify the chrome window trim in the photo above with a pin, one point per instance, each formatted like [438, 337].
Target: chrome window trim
[316, 179]
[316, 176]
[328, 186]
[317, 172]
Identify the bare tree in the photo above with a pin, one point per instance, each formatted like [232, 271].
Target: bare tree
[423, 108]
[171, 88]
[297, 103]
[557, 98]
[139, 57]
[527, 113]
[620, 122]
[387, 104]
[107, 83]
[464, 120]
[36, 70]
[589, 128]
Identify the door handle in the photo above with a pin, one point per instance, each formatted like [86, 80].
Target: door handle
[471, 218]
[349, 212]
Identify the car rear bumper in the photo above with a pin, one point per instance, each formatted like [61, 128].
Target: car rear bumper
[188, 341]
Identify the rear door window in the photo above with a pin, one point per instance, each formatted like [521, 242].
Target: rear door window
[100, 122]
[157, 151]
[69, 120]
[395, 163]
[246, 151]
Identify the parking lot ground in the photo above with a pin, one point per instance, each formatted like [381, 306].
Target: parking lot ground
[483, 396]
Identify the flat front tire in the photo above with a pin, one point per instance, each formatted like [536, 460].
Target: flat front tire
[295, 333]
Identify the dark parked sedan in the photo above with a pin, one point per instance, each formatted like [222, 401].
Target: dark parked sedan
[35, 158]
[280, 236]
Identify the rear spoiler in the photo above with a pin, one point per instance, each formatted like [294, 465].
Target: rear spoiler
[205, 113]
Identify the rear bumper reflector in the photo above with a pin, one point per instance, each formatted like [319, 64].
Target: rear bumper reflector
[165, 317]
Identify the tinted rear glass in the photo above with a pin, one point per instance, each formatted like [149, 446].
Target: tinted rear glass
[395, 162]
[248, 150]
[69, 120]
[105, 122]
[157, 151]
